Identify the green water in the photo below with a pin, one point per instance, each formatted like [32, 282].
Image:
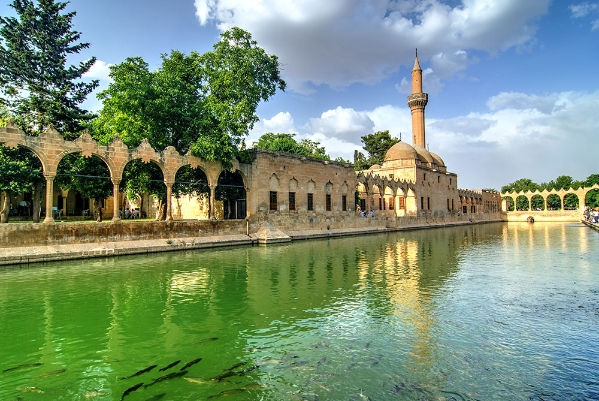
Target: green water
[482, 312]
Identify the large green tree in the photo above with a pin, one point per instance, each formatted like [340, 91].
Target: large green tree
[376, 145]
[205, 103]
[37, 85]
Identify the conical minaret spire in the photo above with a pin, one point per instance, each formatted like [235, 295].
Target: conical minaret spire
[417, 102]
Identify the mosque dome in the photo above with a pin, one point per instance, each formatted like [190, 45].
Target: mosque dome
[437, 159]
[400, 151]
[423, 154]
[375, 167]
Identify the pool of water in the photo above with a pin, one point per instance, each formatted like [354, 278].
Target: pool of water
[481, 312]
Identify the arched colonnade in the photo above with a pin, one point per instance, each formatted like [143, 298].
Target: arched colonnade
[50, 147]
[383, 193]
[581, 193]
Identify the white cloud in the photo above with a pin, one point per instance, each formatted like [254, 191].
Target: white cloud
[584, 9]
[282, 122]
[342, 123]
[338, 43]
[99, 70]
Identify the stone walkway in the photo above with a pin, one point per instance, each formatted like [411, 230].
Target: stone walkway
[49, 253]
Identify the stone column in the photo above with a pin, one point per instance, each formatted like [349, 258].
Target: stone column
[212, 200]
[49, 197]
[116, 203]
[169, 191]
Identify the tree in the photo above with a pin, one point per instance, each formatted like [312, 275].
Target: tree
[376, 145]
[18, 174]
[37, 86]
[286, 143]
[204, 103]
[523, 184]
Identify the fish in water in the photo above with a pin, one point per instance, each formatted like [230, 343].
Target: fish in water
[130, 390]
[140, 372]
[196, 380]
[172, 375]
[248, 370]
[205, 340]
[191, 363]
[170, 366]
[94, 393]
[53, 372]
[157, 397]
[23, 366]
[224, 376]
[236, 366]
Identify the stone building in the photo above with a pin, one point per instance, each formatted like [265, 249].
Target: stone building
[412, 181]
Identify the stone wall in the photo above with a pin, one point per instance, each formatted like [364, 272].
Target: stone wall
[30, 234]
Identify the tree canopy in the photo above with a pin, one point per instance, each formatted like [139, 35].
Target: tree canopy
[283, 142]
[37, 86]
[376, 145]
[203, 103]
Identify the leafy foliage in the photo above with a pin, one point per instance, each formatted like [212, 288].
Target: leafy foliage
[376, 145]
[37, 86]
[283, 142]
[205, 103]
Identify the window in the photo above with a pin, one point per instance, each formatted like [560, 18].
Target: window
[428, 203]
[273, 200]
[310, 201]
[464, 209]
[362, 204]
[391, 176]
[344, 203]
[438, 179]
[424, 177]
[380, 204]
[452, 204]
[328, 203]
[448, 204]
[391, 205]
[422, 202]
[402, 202]
[291, 200]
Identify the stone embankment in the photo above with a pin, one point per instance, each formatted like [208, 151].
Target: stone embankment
[118, 245]
[592, 225]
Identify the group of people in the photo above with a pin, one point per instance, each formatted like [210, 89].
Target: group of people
[591, 215]
[365, 214]
[130, 214]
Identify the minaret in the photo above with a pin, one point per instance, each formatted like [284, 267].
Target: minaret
[417, 102]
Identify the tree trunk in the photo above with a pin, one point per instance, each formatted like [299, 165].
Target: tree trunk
[97, 210]
[37, 199]
[5, 208]
[161, 212]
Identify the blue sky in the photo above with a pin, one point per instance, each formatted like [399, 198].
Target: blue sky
[513, 85]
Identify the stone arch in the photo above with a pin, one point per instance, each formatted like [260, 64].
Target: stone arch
[507, 203]
[553, 202]
[273, 183]
[293, 185]
[537, 202]
[591, 197]
[411, 203]
[376, 202]
[231, 190]
[191, 193]
[311, 185]
[570, 199]
[143, 201]
[389, 198]
[522, 203]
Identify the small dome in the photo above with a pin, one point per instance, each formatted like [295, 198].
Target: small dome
[375, 167]
[423, 154]
[437, 159]
[400, 151]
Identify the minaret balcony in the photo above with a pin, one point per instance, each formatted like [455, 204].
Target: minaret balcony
[418, 99]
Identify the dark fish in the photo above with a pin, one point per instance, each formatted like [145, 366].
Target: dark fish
[172, 375]
[140, 372]
[227, 392]
[191, 363]
[157, 397]
[170, 366]
[224, 376]
[23, 366]
[248, 370]
[53, 372]
[205, 340]
[130, 390]
[236, 366]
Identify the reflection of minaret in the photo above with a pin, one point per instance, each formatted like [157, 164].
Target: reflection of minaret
[417, 102]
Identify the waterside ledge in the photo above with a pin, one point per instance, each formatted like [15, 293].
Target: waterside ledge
[51, 253]
[592, 225]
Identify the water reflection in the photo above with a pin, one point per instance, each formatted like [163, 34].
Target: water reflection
[411, 315]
